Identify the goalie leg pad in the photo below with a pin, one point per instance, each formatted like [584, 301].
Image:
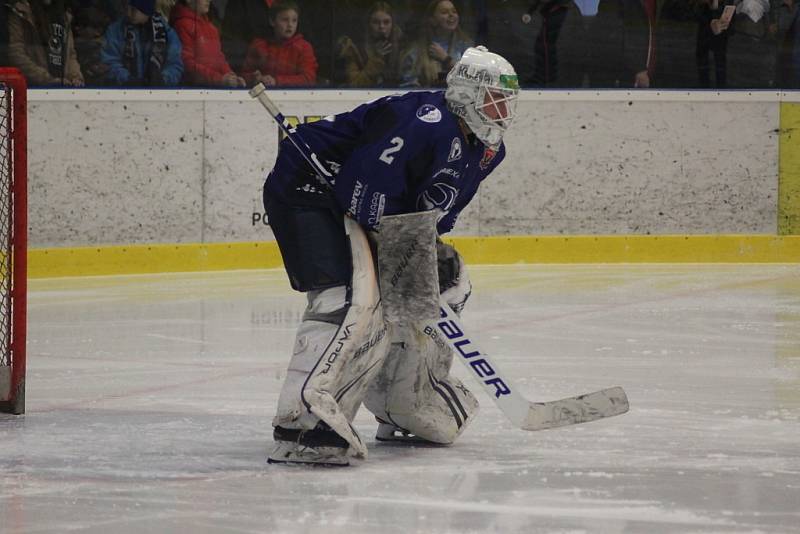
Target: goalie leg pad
[321, 322]
[414, 397]
[341, 346]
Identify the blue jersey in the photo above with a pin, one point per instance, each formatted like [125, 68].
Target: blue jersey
[398, 154]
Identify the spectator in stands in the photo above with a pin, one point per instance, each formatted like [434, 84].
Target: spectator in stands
[201, 48]
[91, 19]
[712, 41]
[141, 49]
[601, 43]
[244, 21]
[753, 44]
[374, 61]
[677, 35]
[164, 7]
[433, 53]
[4, 9]
[41, 43]
[286, 59]
[788, 60]
[506, 27]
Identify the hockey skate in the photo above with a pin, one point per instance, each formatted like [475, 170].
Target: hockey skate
[394, 434]
[320, 446]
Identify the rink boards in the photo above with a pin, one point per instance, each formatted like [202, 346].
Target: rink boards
[174, 177]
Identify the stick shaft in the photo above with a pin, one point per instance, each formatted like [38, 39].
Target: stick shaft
[498, 385]
[259, 92]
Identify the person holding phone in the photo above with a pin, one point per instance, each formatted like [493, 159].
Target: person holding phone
[373, 62]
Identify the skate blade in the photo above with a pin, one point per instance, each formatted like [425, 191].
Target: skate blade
[399, 437]
[315, 463]
[294, 454]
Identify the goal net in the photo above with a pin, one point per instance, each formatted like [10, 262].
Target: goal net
[13, 239]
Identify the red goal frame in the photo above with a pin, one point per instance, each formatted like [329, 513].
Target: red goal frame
[14, 308]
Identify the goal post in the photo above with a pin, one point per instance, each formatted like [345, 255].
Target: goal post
[13, 239]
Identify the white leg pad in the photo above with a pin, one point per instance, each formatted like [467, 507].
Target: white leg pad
[312, 338]
[335, 361]
[415, 393]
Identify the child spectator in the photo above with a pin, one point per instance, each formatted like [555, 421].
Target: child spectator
[201, 49]
[286, 58]
[141, 49]
[374, 61]
[41, 44]
[440, 45]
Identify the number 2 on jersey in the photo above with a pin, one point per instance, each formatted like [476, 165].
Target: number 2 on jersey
[386, 155]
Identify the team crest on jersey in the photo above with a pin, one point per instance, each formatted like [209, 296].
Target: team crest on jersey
[429, 113]
[438, 195]
[488, 156]
[455, 150]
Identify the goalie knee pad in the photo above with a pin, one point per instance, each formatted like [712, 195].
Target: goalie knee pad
[414, 394]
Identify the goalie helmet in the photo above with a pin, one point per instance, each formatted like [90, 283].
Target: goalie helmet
[482, 89]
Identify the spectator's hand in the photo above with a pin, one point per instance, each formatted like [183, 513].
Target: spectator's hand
[772, 29]
[384, 48]
[232, 80]
[268, 80]
[717, 26]
[437, 52]
[642, 80]
[74, 82]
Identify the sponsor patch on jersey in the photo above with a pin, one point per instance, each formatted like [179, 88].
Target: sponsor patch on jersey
[488, 156]
[449, 172]
[376, 206]
[429, 113]
[359, 192]
[455, 150]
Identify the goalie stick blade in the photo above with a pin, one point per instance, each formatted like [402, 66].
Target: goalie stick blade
[573, 410]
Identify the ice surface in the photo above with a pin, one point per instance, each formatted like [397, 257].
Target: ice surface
[150, 400]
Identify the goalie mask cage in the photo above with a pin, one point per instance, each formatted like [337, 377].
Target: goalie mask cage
[13, 239]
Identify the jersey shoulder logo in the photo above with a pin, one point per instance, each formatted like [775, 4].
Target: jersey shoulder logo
[455, 150]
[486, 160]
[429, 113]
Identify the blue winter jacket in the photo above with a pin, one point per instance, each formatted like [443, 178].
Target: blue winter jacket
[114, 50]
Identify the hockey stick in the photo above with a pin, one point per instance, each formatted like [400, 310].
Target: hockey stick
[449, 330]
[523, 413]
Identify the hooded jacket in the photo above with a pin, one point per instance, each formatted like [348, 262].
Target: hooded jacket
[291, 62]
[113, 55]
[203, 60]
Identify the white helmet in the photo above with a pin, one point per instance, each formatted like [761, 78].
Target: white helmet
[482, 89]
